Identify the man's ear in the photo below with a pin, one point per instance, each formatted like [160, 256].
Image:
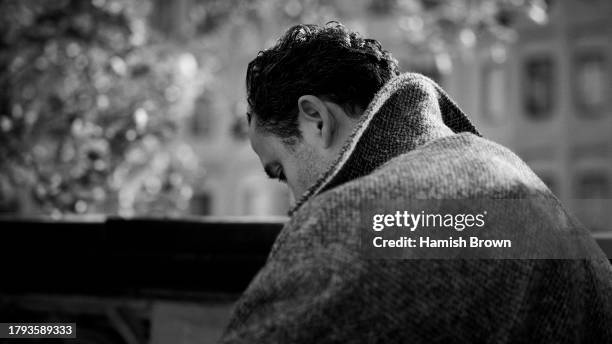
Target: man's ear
[316, 118]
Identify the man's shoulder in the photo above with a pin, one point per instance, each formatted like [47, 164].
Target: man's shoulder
[456, 166]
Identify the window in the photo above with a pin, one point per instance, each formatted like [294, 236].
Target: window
[590, 83]
[538, 87]
[593, 205]
[201, 204]
[593, 185]
[493, 93]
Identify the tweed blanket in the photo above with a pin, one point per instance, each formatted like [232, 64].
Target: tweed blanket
[412, 143]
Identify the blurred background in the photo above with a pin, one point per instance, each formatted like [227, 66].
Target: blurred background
[136, 108]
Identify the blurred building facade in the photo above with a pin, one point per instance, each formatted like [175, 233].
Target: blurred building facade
[547, 98]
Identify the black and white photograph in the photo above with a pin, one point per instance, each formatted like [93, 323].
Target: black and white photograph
[305, 171]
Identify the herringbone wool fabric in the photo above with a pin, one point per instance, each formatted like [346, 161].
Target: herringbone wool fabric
[414, 143]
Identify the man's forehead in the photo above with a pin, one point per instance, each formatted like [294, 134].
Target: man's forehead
[264, 146]
[261, 143]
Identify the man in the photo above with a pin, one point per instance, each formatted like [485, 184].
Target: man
[331, 115]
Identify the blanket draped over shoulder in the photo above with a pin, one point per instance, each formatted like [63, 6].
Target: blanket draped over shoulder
[413, 142]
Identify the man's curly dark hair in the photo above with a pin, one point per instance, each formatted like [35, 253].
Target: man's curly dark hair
[327, 61]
